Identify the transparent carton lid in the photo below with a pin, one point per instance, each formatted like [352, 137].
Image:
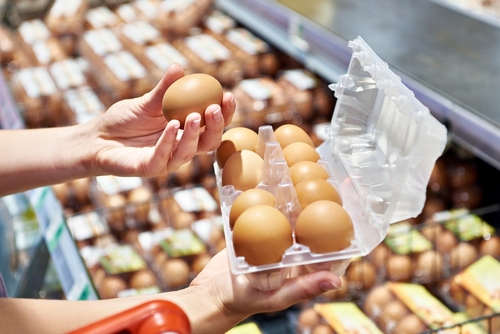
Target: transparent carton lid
[382, 145]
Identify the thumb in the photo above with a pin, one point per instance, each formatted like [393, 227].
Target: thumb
[153, 99]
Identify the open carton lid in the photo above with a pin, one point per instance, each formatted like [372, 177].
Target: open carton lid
[382, 146]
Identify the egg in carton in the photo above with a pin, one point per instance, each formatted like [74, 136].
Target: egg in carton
[208, 55]
[100, 17]
[65, 20]
[37, 96]
[7, 46]
[381, 147]
[256, 55]
[118, 270]
[332, 318]
[176, 18]
[476, 290]
[305, 93]
[217, 22]
[137, 35]
[260, 101]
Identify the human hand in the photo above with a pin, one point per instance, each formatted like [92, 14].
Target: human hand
[133, 137]
[235, 299]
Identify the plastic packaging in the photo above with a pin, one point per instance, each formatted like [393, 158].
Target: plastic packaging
[380, 150]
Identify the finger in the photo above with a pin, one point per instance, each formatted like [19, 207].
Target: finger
[214, 127]
[228, 107]
[296, 290]
[188, 143]
[164, 148]
[153, 99]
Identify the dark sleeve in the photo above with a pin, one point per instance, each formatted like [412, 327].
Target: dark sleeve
[3, 289]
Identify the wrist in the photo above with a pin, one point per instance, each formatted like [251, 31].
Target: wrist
[206, 312]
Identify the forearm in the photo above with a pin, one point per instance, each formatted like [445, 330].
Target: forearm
[37, 157]
[61, 316]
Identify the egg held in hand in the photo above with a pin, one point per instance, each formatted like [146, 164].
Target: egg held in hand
[191, 93]
[261, 235]
[324, 226]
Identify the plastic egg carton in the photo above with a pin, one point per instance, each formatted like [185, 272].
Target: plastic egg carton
[381, 147]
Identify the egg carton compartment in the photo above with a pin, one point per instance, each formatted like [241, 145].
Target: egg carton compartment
[178, 18]
[409, 307]
[380, 150]
[118, 270]
[332, 318]
[475, 290]
[256, 56]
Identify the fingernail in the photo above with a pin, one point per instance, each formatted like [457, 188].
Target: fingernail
[217, 114]
[196, 123]
[329, 285]
[232, 101]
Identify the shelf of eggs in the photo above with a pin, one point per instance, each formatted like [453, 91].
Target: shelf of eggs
[67, 69]
[134, 240]
[439, 257]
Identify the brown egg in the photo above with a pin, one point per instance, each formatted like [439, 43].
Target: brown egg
[261, 235]
[191, 93]
[141, 198]
[175, 273]
[432, 231]
[313, 190]
[338, 294]
[243, 170]
[116, 212]
[473, 306]
[399, 268]
[110, 287]
[305, 170]
[307, 319]
[469, 197]
[393, 312]
[143, 279]
[490, 247]
[185, 173]
[234, 140]
[324, 226]
[456, 291]
[247, 199]
[379, 256]
[361, 274]
[462, 256]
[200, 262]
[81, 189]
[446, 242]
[61, 191]
[429, 266]
[410, 324]
[300, 151]
[437, 181]
[431, 206]
[322, 329]
[461, 174]
[376, 299]
[289, 133]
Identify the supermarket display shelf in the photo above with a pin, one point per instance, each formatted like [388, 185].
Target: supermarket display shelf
[444, 56]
